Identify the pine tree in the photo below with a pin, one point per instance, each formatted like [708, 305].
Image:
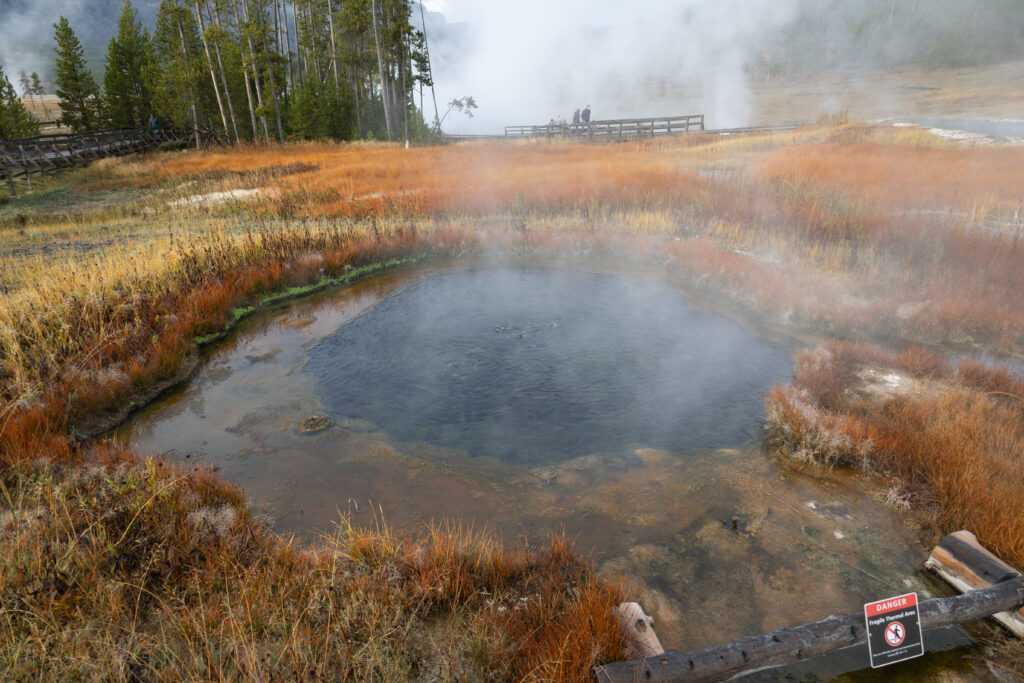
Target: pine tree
[181, 94]
[26, 86]
[37, 86]
[129, 57]
[15, 121]
[80, 103]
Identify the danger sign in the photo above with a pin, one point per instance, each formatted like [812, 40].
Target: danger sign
[894, 630]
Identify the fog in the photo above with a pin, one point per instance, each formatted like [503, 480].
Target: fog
[26, 32]
[530, 61]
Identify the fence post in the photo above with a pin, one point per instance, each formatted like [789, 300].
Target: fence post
[28, 171]
[7, 163]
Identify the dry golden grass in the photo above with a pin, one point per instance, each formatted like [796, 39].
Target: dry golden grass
[97, 305]
[128, 570]
[951, 437]
[121, 569]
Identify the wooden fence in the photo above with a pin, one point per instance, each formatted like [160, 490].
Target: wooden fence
[992, 588]
[614, 129]
[47, 155]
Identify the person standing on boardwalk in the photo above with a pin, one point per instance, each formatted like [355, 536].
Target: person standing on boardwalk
[576, 117]
[585, 116]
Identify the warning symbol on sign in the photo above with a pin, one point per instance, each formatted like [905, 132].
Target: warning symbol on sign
[894, 633]
[894, 630]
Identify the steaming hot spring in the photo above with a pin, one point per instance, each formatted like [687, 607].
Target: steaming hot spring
[535, 400]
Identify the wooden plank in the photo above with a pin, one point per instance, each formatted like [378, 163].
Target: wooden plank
[967, 565]
[803, 642]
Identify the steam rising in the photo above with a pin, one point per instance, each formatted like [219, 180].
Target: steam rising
[26, 32]
[528, 61]
[533, 60]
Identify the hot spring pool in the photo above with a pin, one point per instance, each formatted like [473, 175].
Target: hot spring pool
[532, 366]
[531, 401]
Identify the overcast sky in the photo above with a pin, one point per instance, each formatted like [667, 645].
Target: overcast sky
[524, 61]
[528, 61]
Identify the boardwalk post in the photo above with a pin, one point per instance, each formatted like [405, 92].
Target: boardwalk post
[9, 166]
[28, 171]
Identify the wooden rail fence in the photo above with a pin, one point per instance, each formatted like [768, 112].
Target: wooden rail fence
[613, 129]
[991, 588]
[47, 155]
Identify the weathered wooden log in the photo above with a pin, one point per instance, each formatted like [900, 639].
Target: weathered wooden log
[967, 565]
[639, 629]
[789, 645]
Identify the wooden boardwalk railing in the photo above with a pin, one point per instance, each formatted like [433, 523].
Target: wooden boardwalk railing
[46, 155]
[803, 642]
[614, 129]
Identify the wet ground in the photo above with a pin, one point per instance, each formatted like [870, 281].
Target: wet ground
[714, 538]
[999, 129]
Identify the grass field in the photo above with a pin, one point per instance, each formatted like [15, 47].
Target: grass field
[842, 232]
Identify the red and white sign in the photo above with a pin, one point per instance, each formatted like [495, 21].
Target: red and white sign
[873, 609]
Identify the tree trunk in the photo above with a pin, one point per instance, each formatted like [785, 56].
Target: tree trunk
[277, 26]
[334, 47]
[300, 60]
[288, 43]
[255, 73]
[405, 99]
[224, 80]
[270, 82]
[355, 99]
[245, 75]
[316, 48]
[430, 68]
[191, 90]
[380, 69]
[213, 75]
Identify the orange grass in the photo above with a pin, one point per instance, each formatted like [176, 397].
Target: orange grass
[780, 235]
[827, 209]
[906, 177]
[951, 438]
[365, 180]
[122, 569]
[163, 572]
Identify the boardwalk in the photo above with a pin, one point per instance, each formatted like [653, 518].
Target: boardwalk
[614, 129]
[46, 155]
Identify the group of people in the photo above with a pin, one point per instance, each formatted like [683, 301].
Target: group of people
[581, 117]
[578, 117]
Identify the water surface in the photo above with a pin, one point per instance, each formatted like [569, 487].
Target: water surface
[532, 365]
[529, 402]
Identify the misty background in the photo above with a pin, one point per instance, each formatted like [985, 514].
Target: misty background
[529, 61]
